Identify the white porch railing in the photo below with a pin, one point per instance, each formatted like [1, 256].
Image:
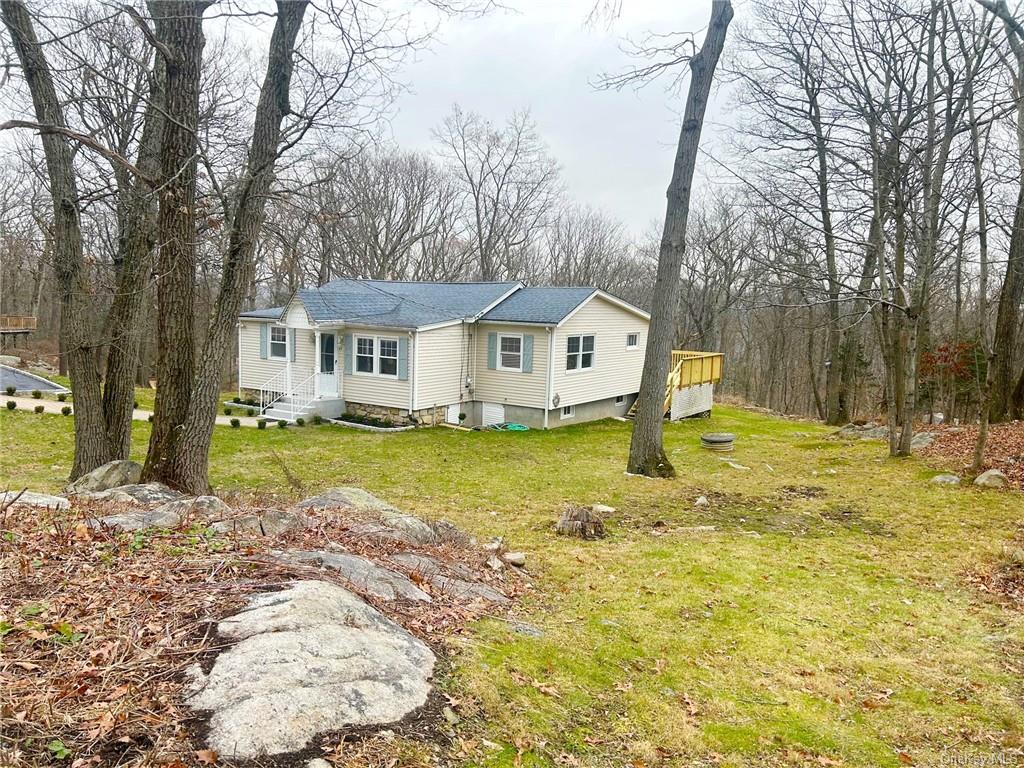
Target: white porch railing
[302, 395]
[274, 388]
[279, 393]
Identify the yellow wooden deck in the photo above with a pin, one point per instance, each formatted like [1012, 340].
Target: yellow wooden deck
[689, 369]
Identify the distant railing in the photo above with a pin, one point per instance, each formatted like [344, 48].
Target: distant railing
[17, 323]
[690, 368]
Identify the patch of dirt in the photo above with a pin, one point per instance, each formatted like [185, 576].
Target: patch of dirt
[1003, 578]
[953, 448]
[97, 627]
[795, 510]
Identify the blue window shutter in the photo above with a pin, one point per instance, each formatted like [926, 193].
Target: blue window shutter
[263, 341]
[291, 344]
[528, 353]
[347, 351]
[492, 350]
[403, 358]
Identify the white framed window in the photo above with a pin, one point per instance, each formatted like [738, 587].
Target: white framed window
[632, 341]
[387, 357]
[365, 358]
[278, 343]
[579, 352]
[510, 352]
[620, 400]
[568, 411]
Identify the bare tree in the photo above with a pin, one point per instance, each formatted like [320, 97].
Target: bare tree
[510, 182]
[646, 451]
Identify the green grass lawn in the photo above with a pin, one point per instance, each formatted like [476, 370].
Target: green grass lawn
[816, 612]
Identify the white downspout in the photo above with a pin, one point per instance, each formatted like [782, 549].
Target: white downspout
[239, 326]
[414, 353]
[317, 365]
[551, 375]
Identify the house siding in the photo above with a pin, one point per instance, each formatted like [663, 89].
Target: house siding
[441, 357]
[616, 370]
[369, 389]
[511, 387]
[255, 371]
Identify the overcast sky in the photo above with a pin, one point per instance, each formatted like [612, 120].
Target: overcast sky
[615, 148]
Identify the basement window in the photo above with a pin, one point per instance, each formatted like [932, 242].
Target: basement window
[620, 400]
[568, 411]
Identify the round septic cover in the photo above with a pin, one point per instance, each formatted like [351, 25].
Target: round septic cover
[718, 437]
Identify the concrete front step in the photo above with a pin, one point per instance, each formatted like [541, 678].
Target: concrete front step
[277, 414]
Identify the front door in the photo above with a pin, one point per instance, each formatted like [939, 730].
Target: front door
[328, 371]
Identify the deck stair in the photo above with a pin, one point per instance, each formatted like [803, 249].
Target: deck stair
[688, 369]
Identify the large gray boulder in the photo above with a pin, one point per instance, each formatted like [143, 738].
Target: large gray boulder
[992, 478]
[405, 527]
[311, 659]
[203, 509]
[364, 575]
[922, 440]
[144, 493]
[440, 577]
[110, 475]
[29, 499]
[136, 520]
[265, 522]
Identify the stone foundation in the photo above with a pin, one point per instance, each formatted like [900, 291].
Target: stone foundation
[425, 417]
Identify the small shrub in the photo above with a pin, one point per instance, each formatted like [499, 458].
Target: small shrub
[261, 424]
[151, 418]
[250, 411]
[11, 405]
[318, 419]
[11, 390]
[300, 422]
[462, 417]
[251, 401]
[66, 410]
[236, 423]
[62, 397]
[282, 424]
[37, 394]
[135, 404]
[236, 400]
[39, 409]
[227, 411]
[371, 421]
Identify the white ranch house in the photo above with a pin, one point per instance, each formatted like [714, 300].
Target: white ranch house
[427, 352]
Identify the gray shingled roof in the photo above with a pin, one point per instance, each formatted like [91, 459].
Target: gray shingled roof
[398, 304]
[547, 306]
[273, 313]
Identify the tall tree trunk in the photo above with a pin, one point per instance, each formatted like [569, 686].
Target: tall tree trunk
[92, 446]
[646, 450]
[179, 28]
[1004, 341]
[187, 465]
[135, 247]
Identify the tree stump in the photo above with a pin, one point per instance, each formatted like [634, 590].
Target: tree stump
[581, 522]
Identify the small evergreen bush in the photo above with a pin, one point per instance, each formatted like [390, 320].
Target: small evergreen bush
[11, 405]
[11, 390]
[236, 400]
[39, 409]
[151, 418]
[236, 423]
[261, 424]
[300, 422]
[66, 410]
[318, 419]
[62, 397]
[227, 411]
[37, 394]
[250, 411]
[282, 424]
